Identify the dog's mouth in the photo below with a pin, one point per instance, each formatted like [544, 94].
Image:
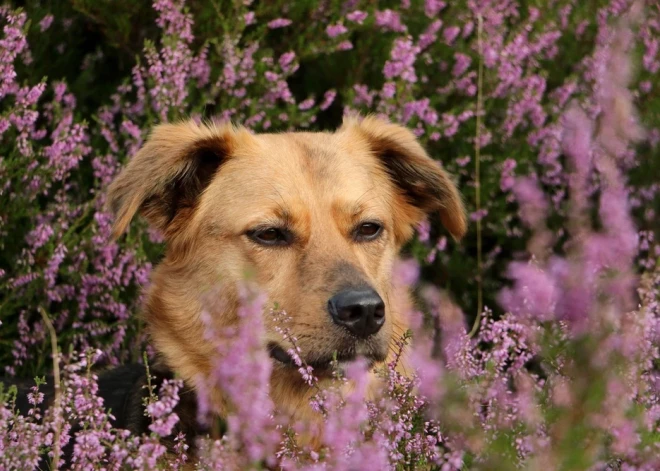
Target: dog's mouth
[324, 364]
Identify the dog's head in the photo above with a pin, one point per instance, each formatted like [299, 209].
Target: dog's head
[317, 218]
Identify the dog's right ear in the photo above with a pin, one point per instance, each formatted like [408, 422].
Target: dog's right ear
[165, 179]
[424, 185]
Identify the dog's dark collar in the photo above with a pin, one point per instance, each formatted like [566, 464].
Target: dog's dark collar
[124, 391]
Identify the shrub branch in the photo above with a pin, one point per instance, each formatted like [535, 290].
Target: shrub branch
[55, 464]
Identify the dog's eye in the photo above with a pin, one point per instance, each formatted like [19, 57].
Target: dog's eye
[271, 236]
[368, 231]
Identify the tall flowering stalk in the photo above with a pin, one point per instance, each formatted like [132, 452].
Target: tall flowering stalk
[241, 372]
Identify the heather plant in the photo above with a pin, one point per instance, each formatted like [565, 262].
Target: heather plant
[541, 348]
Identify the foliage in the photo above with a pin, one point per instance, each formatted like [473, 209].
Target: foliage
[557, 99]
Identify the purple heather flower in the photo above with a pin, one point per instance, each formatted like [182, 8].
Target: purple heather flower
[430, 35]
[433, 7]
[402, 61]
[279, 23]
[306, 104]
[345, 46]
[162, 411]
[286, 60]
[328, 99]
[249, 18]
[357, 16]
[461, 65]
[507, 177]
[389, 20]
[450, 34]
[45, 22]
[336, 30]
[535, 294]
[532, 201]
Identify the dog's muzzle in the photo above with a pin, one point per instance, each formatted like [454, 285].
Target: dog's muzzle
[360, 312]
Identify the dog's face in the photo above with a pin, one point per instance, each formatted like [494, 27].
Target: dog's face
[317, 219]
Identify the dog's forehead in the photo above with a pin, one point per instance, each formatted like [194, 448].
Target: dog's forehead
[293, 162]
[324, 155]
[303, 176]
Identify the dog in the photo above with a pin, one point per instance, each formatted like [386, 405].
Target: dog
[319, 218]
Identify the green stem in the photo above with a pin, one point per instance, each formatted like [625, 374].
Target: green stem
[477, 175]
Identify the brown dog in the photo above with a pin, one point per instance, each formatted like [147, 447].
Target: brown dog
[318, 218]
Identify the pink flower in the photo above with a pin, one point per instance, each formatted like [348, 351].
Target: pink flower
[461, 65]
[286, 62]
[249, 18]
[357, 16]
[450, 34]
[336, 30]
[402, 61]
[389, 20]
[328, 99]
[433, 7]
[46, 22]
[345, 46]
[306, 104]
[279, 23]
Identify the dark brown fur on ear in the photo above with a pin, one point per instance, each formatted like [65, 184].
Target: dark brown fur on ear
[422, 180]
[165, 178]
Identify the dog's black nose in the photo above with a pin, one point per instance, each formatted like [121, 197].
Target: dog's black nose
[361, 311]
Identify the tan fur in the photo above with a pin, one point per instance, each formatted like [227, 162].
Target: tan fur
[204, 186]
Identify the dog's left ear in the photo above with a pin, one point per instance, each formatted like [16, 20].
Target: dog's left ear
[423, 183]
